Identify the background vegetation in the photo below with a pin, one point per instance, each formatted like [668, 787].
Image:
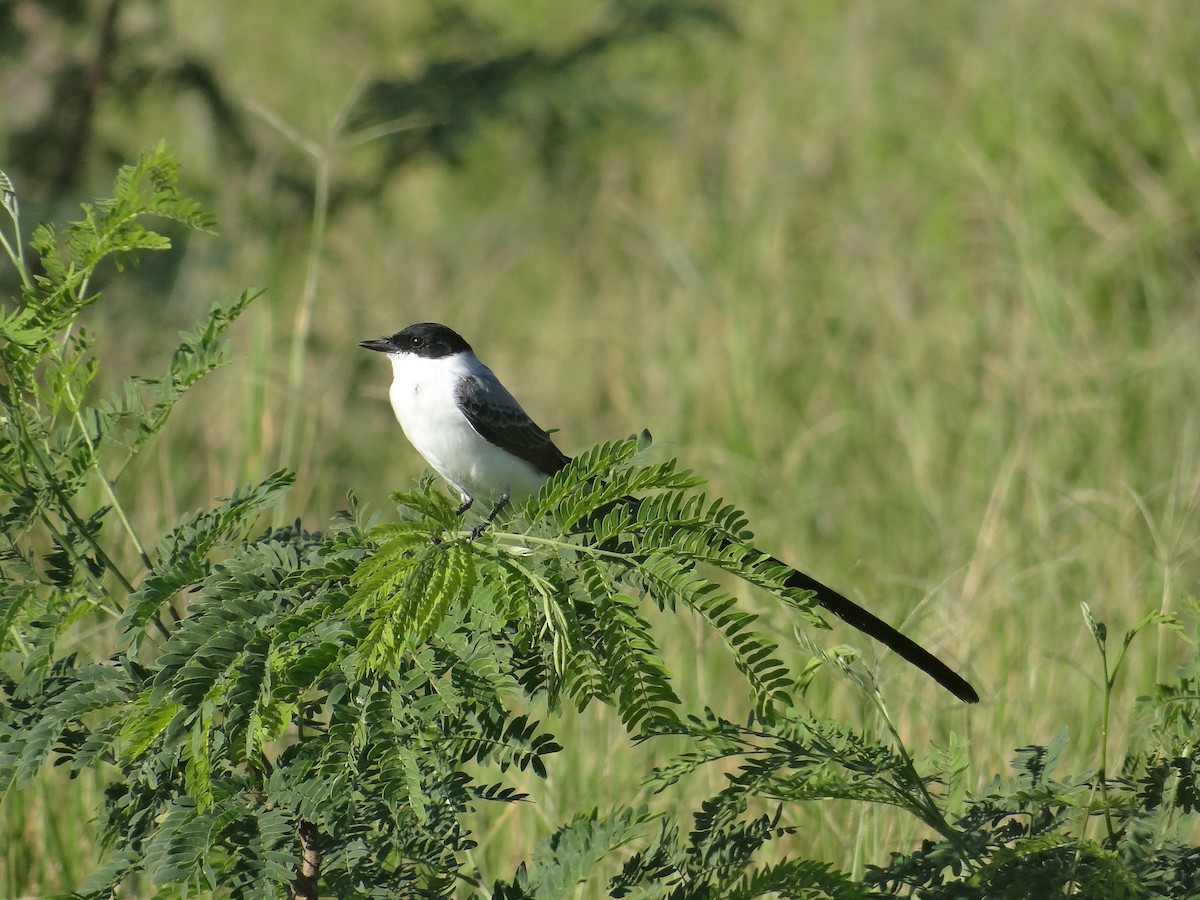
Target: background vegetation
[915, 286]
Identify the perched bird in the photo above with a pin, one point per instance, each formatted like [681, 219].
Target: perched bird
[475, 434]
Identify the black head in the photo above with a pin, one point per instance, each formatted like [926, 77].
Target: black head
[427, 339]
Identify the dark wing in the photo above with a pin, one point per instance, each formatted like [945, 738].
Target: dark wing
[499, 419]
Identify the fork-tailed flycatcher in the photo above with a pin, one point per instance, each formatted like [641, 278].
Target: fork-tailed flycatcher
[467, 425]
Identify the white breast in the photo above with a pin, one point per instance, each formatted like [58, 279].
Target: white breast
[423, 398]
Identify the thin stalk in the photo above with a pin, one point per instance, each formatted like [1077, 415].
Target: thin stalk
[8, 197]
[1105, 718]
[18, 258]
[1100, 635]
[71, 515]
[932, 813]
[115, 503]
[302, 324]
[68, 511]
[323, 155]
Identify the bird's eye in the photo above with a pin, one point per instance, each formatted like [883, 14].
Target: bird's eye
[416, 341]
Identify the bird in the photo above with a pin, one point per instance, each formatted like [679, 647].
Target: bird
[476, 435]
[457, 414]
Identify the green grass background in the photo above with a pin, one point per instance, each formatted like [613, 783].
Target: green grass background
[913, 283]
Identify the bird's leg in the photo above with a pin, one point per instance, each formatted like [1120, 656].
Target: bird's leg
[482, 526]
[467, 500]
[500, 504]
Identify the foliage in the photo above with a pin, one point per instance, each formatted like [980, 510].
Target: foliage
[469, 74]
[287, 711]
[1032, 835]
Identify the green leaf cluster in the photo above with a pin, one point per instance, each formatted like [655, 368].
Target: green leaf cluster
[1088, 834]
[61, 448]
[287, 711]
[568, 575]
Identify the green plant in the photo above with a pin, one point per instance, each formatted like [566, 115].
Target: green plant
[1031, 835]
[294, 705]
[290, 712]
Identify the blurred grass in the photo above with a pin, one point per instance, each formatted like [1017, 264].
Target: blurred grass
[915, 285]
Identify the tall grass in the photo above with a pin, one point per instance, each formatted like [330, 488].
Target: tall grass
[915, 285]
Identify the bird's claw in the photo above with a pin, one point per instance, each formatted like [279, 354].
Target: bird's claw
[482, 526]
[500, 504]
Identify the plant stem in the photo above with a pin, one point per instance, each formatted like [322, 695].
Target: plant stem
[323, 155]
[932, 813]
[117, 507]
[306, 885]
[14, 211]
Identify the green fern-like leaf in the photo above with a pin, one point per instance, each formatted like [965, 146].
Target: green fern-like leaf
[111, 227]
[182, 552]
[567, 859]
[407, 596]
[801, 879]
[144, 404]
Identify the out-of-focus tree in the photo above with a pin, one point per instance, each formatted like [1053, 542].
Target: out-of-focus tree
[69, 66]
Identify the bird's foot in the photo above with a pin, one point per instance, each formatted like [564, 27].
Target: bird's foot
[500, 504]
[482, 526]
[465, 505]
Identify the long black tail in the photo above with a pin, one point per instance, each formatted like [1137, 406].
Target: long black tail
[873, 626]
